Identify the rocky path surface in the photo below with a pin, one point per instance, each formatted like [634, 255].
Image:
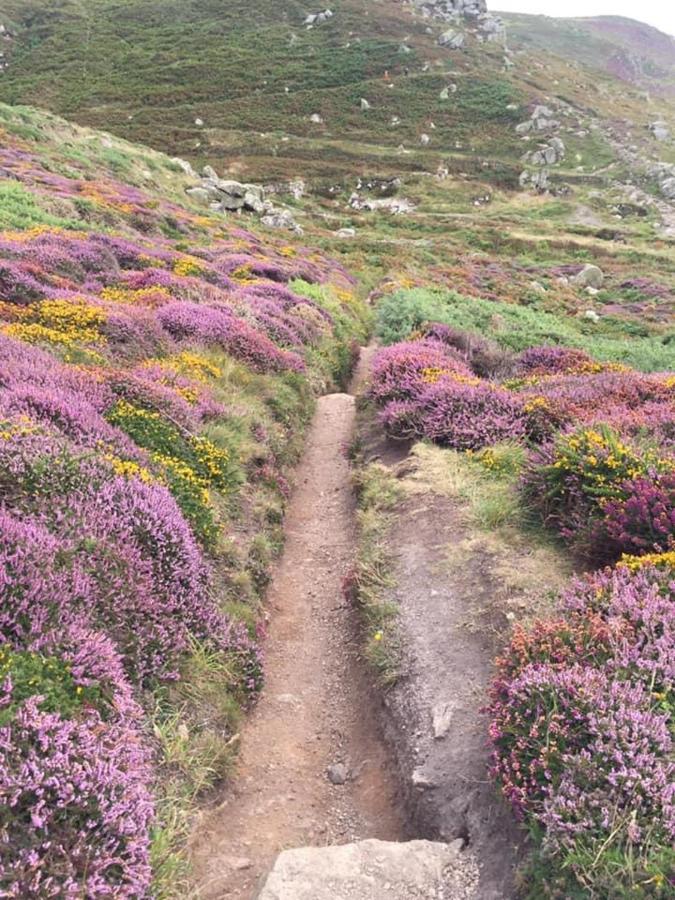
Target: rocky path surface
[314, 724]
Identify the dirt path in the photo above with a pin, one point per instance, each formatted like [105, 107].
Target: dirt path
[316, 710]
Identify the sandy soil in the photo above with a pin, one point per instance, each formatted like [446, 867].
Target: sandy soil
[317, 709]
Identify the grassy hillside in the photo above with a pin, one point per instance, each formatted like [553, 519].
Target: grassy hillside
[632, 51]
[254, 76]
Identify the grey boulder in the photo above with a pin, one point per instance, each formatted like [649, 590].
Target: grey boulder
[373, 870]
[589, 276]
[451, 39]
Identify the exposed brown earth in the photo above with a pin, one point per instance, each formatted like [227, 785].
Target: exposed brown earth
[317, 709]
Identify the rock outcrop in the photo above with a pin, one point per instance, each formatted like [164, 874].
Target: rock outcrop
[451, 10]
[226, 195]
[550, 152]
[469, 13]
[374, 870]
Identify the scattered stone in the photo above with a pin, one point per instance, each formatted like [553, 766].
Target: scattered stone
[589, 276]
[337, 773]
[660, 130]
[425, 140]
[420, 780]
[441, 719]
[490, 27]
[668, 188]
[240, 864]
[318, 18]
[316, 119]
[200, 194]
[373, 870]
[445, 93]
[395, 121]
[537, 287]
[346, 233]
[452, 40]
[184, 165]
[396, 205]
[591, 315]
[199, 122]
[283, 219]
[548, 154]
[365, 104]
[541, 119]
[538, 180]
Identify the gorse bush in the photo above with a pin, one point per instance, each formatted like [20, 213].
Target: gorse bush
[605, 495]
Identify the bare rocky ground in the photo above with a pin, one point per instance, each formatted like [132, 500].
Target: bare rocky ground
[457, 589]
[433, 717]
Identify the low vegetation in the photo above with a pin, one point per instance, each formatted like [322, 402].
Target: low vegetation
[156, 373]
[582, 703]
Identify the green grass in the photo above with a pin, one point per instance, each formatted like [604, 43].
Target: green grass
[378, 494]
[516, 327]
[20, 209]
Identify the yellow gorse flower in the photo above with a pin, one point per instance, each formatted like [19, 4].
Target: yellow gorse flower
[64, 322]
[188, 265]
[660, 560]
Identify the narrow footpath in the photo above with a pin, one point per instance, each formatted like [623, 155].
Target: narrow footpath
[315, 717]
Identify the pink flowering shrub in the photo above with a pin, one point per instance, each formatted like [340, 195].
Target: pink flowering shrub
[550, 360]
[581, 731]
[403, 371]
[642, 518]
[76, 793]
[74, 771]
[218, 325]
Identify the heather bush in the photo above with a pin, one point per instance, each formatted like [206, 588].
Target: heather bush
[457, 414]
[581, 730]
[548, 360]
[218, 325]
[642, 519]
[75, 807]
[403, 371]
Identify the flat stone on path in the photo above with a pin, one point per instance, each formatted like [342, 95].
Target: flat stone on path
[374, 870]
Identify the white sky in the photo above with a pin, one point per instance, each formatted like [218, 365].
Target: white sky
[660, 13]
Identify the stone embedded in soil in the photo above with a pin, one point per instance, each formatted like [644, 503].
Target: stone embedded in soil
[374, 870]
[338, 773]
[441, 716]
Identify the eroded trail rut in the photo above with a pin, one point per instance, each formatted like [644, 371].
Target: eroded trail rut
[316, 710]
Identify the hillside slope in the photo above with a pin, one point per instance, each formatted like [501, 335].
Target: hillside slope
[629, 50]
[230, 81]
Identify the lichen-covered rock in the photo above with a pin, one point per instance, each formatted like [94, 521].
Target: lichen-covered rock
[589, 276]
